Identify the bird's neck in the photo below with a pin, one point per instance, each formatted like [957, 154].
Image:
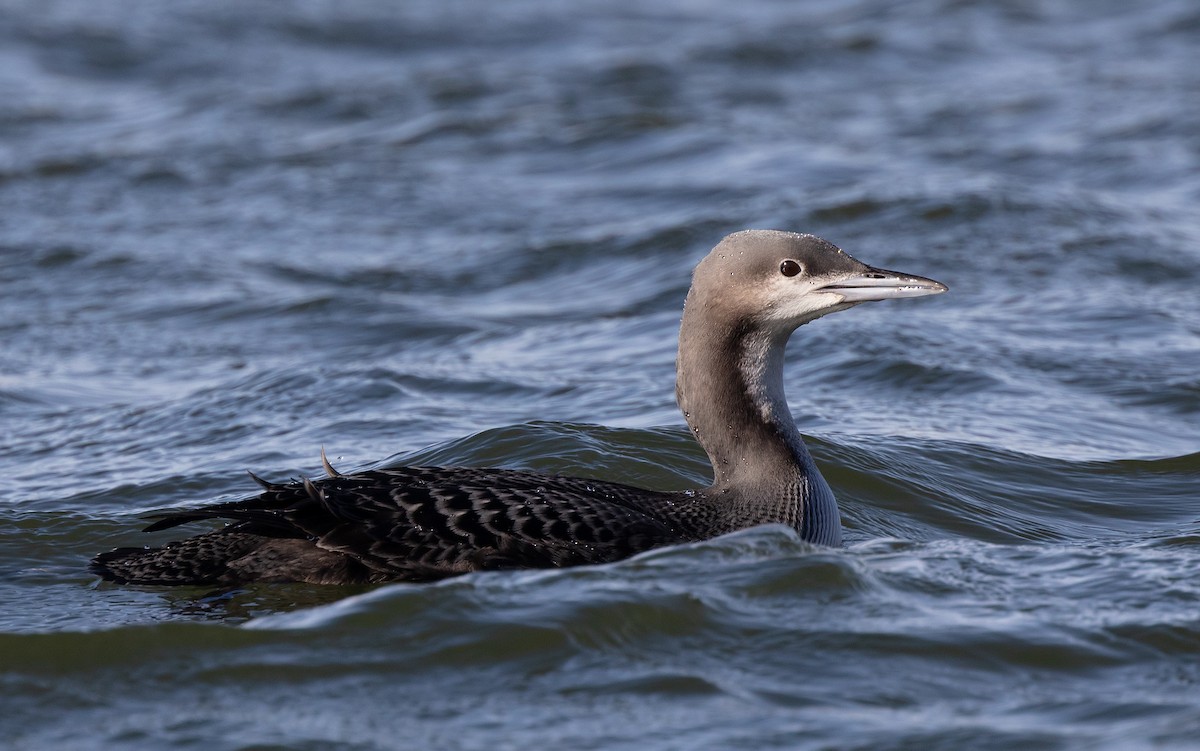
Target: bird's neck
[730, 388]
[729, 385]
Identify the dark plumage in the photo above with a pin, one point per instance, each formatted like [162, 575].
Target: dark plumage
[423, 523]
[415, 523]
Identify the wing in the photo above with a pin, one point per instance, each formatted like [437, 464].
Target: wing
[426, 523]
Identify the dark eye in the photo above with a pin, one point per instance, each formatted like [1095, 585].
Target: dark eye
[790, 268]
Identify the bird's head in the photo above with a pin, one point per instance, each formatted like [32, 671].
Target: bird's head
[781, 280]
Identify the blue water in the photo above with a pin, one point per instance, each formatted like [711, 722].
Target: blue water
[461, 233]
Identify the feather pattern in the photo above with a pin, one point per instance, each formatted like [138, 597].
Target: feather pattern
[420, 523]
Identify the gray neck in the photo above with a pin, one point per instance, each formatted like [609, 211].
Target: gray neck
[729, 385]
[731, 394]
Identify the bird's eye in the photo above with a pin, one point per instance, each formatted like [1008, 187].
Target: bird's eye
[790, 268]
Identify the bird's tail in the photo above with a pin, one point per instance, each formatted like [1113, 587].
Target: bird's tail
[203, 559]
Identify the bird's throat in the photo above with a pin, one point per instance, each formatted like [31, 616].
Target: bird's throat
[731, 392]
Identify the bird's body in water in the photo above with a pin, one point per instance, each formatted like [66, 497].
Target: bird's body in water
[422, 523]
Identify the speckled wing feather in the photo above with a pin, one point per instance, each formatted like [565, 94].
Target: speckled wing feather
[421, 523]
[467, 519]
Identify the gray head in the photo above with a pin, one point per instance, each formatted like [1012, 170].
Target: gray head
[781, 280]
[747, 297]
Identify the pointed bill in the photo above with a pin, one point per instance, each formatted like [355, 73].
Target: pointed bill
[881, 284]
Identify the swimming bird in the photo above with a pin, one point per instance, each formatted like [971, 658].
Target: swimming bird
[424, 523]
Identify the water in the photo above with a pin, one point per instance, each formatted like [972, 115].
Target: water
[461, 233]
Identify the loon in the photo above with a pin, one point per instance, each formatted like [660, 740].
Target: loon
[425, 523]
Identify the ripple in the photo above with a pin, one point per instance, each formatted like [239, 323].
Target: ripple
[234, 233]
